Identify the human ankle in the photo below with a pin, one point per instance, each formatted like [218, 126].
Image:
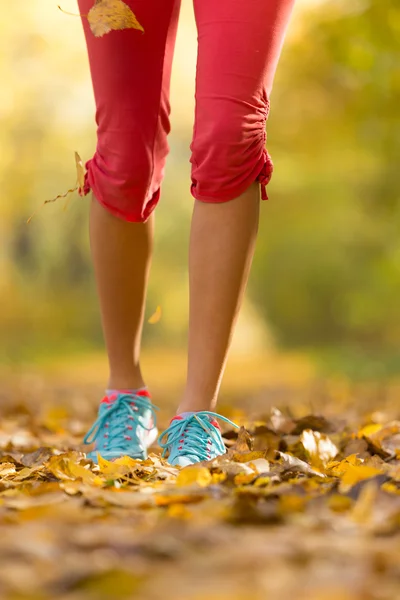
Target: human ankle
[195, 406]
[130, 382]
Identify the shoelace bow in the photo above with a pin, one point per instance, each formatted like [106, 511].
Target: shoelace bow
[189, 433]
[117, 418]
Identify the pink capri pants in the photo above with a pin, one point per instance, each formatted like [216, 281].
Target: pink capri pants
[239, 43]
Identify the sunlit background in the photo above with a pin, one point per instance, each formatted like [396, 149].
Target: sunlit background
[326, 278]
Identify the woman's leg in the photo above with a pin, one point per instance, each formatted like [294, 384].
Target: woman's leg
[121, 254]
[131, 77]
[239, 47]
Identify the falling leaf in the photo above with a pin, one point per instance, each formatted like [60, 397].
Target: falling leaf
[155, 317]
[80, 183]
[80, 171]
[111, 15]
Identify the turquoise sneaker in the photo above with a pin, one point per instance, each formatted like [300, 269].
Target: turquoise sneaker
[194, 437]
[125, 426]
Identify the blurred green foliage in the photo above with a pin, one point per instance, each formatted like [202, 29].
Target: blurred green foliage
[327, 269]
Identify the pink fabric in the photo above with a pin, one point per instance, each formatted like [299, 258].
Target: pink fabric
[239, 43]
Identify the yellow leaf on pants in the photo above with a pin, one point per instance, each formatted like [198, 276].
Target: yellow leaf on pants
[109, 15]
[194, 474]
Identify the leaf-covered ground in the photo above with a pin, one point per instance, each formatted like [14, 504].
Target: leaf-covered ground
[305, 505]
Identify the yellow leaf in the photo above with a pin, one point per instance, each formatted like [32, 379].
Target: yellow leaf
[363, 508]
[65, 468]
[179, 511]
[218, 477]
[353, 475]
[155, 317]
[164, 500]
[339, 503]
[6, 469]
[194, 474]
[290, 503]
[244, 478]
[80, 171]
[109, 15]
[262, 481]
[369, 430]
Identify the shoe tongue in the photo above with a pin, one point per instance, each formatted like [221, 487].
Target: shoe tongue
[185, 415]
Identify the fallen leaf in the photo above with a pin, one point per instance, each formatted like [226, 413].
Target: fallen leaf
[319, 448]
[291, 463]
[314, 422]
[385, 438]
[340, 503]
[351, 475]
[244, 443]
[363, 508]
[280, 423]
[194, 475]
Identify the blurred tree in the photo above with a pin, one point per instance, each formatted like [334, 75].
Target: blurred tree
[327, 269]
[328, 266]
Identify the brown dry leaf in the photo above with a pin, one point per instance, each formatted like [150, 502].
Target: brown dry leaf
[385, 438]
[280, 423]
[319, 448]
[111, 15]
[314, 422]
[155, 317]
[244, 443]
[291, 463]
